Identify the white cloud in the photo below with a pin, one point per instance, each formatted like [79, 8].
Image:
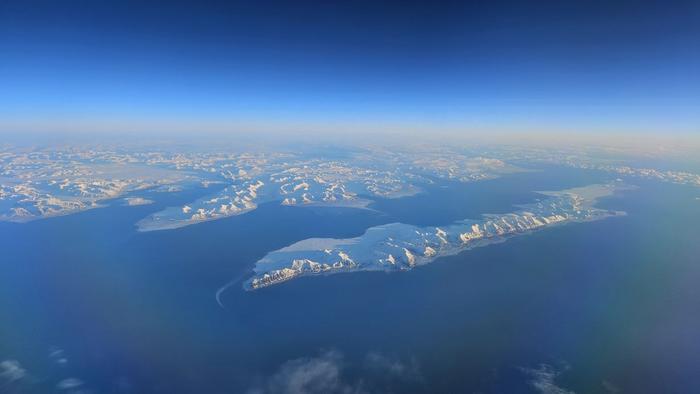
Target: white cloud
[543, 379]
[392, 367]
[11, 371]
[329, 373]
[310, 375]
[134, 201]
[69, 384]
[58, 356]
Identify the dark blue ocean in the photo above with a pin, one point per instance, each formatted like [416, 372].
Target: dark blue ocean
[608, 306]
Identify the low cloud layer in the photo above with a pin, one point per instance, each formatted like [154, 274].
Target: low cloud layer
[11, 371]
[330, 372]
[543, 379]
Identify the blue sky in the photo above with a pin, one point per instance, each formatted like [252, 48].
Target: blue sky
[598, 66]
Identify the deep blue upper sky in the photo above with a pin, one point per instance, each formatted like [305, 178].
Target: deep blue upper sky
[559, 64]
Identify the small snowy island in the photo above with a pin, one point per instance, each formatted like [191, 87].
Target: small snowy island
[398, 246]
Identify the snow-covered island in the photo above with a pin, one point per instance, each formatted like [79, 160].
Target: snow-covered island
[303, 182]
[398, 246]
[37, 183]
